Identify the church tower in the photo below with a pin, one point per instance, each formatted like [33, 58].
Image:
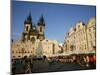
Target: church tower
[28, 24]
[41, 28]
[32, 32]
[27, 28]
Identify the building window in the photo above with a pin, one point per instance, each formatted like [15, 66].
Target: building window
[13, 56]
[30, 56]
[53, 48]
[94, 28]
[79, 26]
[23, 50]
[33, 39]
[74, 29]
[89, 30]
[40, 29]
[85, 46]
[91, 44]
[12, 51]
[26, 28]
[68, 33]
[17, 45]
[47, 40]
[68, 41]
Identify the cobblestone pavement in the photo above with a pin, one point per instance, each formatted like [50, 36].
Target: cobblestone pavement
[39, 66]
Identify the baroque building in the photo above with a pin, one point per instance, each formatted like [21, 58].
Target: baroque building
[22, 49]
[39, 48]
[81, 38]
[91, 34]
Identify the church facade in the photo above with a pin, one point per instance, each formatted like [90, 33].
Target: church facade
[33, 42]
[33, 32]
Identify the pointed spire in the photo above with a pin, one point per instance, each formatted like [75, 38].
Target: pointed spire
[25, 21]
[29, 17]
[41, 21]
[28, 20]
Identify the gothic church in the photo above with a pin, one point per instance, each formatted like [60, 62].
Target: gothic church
[33, 32]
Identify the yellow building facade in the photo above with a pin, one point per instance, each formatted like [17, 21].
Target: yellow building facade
[22, 49]
[38, 48]
[81, 38]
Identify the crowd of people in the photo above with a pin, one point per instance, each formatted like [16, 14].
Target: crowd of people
[85, 60]
[26, 64]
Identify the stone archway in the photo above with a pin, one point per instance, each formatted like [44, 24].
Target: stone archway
[32, 39]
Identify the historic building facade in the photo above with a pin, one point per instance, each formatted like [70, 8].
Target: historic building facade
[33, 42]
[81, 38]
[51, 47]
[38, 48]
[91, 34]
[31, 32]
[22, 49]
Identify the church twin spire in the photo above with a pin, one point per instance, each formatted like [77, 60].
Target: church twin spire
[31, 30]
[41, 21]
[29, 20]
